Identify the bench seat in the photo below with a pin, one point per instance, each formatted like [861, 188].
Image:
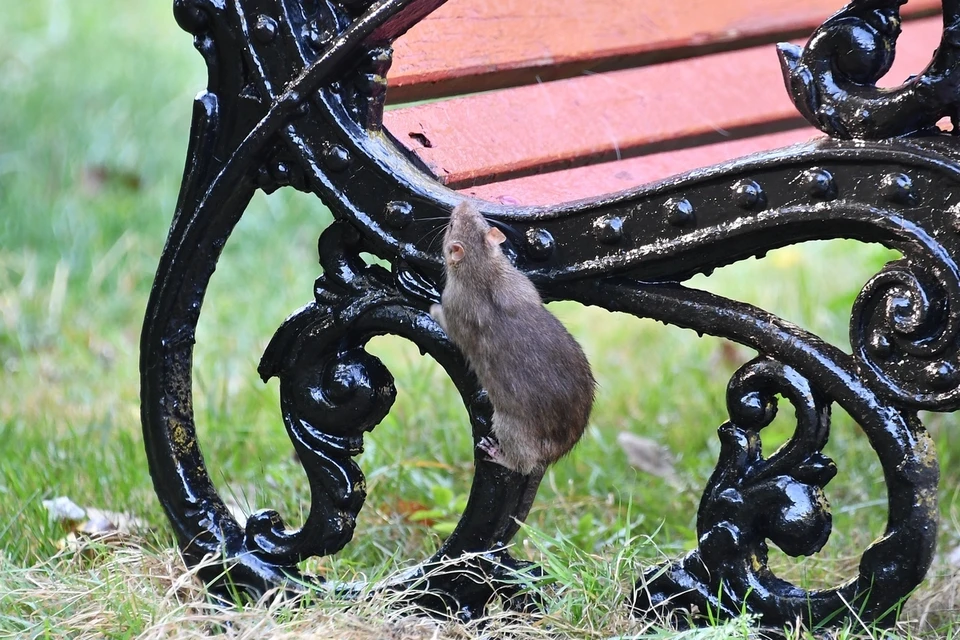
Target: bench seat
[625, 127]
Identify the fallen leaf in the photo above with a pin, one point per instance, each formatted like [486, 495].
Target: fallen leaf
[63, 509]
[99, 521]
[730, 354]
[649, 456]
[412, 511]
[83, 525]
[94, 178]
[407, 507]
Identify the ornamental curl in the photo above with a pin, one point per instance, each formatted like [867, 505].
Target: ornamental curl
[751, 499]
[194, 16]
[905, 334]
[780, 497]
[833, 79]
[327, 405]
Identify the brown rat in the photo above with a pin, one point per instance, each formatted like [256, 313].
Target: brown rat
[536, 375]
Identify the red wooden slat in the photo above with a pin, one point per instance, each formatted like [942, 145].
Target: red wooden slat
[472, 45]
[589, 119]
[609, 177]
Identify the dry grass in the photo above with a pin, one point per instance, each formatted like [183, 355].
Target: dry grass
[93, 593]
[126, 590]
[935, 608]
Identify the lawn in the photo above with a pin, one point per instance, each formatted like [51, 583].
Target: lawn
[94, 119]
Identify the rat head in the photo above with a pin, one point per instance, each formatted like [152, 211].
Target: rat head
[469, 239]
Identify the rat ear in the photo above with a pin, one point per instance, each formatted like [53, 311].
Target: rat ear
[456, 252]
[495, 236]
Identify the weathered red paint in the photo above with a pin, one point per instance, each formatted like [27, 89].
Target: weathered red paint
[473, 45]
[598, 118]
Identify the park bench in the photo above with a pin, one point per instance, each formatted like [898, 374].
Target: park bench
[607, 139]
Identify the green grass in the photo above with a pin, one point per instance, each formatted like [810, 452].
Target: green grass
[93, 130]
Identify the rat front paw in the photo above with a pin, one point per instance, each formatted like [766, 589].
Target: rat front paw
[492, 448]
[436, 312]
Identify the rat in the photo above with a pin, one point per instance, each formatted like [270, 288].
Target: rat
[536, 375]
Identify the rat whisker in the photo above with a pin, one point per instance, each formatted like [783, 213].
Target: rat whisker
[433, 234]
[439, 234]
[430, 238]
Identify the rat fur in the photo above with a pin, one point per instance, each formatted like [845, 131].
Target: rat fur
[536, 375]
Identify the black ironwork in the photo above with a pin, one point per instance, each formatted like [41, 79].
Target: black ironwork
[295, 97]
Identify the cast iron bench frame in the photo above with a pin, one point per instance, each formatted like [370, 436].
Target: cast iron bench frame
[295, 98]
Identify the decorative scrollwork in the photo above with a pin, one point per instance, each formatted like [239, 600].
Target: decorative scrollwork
[833, 79]
[904, 330]
[332, 391]
[327, 403]
[750, 499]
[791, 481]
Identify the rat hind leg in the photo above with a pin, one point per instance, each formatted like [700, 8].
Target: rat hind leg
[518, 449]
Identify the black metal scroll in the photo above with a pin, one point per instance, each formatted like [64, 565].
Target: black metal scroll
[295, 97]
[833, 80]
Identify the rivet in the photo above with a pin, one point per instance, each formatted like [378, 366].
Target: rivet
[898, 188]
[381, 55]
[336, 157]
[539, 243]
[398, 214]
[679, 211]
[749, 195]
[281, 173]
[941, 375]
[609, 229]
[265, 29]
[820, 184]
[879, 346]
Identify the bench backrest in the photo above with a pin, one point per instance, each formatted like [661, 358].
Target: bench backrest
[602, 95]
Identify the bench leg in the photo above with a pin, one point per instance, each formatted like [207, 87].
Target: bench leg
[332, 392]
[751, 499]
